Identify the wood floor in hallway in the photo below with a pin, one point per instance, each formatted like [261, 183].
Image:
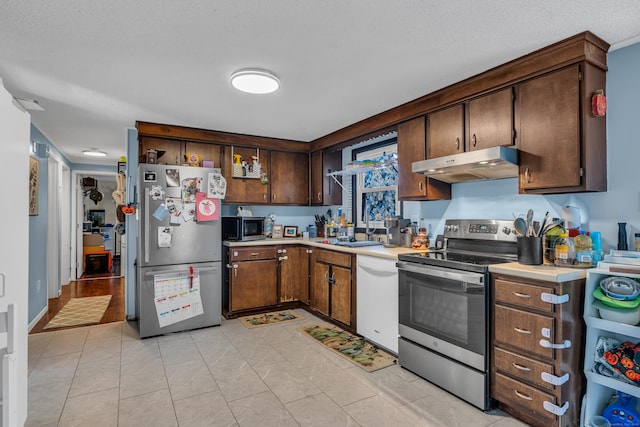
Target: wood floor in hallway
[113, 286]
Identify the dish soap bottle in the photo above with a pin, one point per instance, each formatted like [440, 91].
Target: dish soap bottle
[564, 253]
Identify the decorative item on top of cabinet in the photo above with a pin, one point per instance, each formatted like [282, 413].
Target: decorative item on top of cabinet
[562, 144]
[601, 385]
[411, 148]
[245, 191]
[536, 373]
[324, 190]
[246, 167]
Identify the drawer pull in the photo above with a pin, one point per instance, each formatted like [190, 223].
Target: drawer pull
[522, 395]
[519, 295]
[553, 298]
[518, 366]
[521, 331]
[555, 380]
[555, 409]
[255, 253]
[547, 344]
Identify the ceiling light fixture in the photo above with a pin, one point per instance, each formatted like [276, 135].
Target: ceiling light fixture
[30, 104]
[93, 153]
[254, 80]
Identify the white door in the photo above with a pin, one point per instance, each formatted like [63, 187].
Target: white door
[14, 252]
[79, 219]
[65, 226]
[53, 230]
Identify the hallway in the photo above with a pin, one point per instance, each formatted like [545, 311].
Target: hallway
[90, 287]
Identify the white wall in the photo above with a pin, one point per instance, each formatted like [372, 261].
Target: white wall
[14, 250]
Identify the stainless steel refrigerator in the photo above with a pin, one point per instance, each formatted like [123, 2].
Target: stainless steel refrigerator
[178, 261]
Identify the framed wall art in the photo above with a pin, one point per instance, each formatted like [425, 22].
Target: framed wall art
[276, 232]
[290, 231]
[34, 168]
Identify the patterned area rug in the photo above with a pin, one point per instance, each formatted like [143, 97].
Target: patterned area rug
[270, 318]
[351, 347]
[80, 311]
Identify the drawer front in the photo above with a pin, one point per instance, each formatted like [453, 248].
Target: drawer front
[522, 330]
[522, 368]
[523, 295]
[256, 252]
[525, 398]
[335, 258]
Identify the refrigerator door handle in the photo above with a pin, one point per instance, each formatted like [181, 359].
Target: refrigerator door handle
[186, 272]
[146, 225]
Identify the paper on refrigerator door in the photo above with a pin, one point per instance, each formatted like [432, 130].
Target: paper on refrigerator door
[164, 236]
[177, 297]
[216, 186]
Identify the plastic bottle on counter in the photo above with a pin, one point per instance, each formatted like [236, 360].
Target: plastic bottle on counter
[583, 250]
[313, 230]
[564, 252]
[596, 244]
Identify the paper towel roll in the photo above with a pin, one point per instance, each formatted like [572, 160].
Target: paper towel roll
[571, 216]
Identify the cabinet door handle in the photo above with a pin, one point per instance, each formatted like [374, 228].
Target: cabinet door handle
[518, 366]
[519, 295]
[273, 196]
[521, 331]
[522, 395]
[473, 140]
[420, 186]
[457, 143]
[264, 196]
[527, 176]
[320, 196]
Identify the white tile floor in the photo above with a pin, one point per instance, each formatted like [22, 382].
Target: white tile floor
[225, 376]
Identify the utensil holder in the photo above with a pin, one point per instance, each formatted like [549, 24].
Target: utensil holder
[529, 250]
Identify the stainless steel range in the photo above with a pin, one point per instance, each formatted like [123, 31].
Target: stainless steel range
[443, 308]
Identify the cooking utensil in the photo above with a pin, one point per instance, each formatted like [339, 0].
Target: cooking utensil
[544, 221]
[530, 223]
[536, 229]
[520, 226]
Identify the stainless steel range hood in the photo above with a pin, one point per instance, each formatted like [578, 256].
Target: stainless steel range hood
[488, 163]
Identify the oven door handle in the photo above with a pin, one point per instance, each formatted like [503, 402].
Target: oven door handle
[461, 276]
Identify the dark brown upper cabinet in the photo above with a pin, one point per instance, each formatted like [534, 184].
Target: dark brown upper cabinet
[412, 148]
[490, 120]
[562, 144]
[445, 132]
[324, 189]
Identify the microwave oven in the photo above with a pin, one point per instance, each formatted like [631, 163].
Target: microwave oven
[242, 228]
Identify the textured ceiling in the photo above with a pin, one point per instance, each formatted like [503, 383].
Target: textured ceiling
[97, 67]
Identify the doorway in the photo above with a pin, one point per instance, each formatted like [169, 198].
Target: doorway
[58, 231]
[96, 240]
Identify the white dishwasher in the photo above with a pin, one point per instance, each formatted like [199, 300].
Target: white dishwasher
[377, 301]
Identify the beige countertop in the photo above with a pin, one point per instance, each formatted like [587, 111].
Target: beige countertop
[539, 272]
[376, 251]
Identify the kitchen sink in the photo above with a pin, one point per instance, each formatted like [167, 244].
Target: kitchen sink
[359, 243]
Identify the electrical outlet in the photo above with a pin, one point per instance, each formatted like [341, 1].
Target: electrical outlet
[38, 285]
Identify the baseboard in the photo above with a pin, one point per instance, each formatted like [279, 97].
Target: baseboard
[35, 321]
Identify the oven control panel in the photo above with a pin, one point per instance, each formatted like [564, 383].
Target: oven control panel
[479, 229]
